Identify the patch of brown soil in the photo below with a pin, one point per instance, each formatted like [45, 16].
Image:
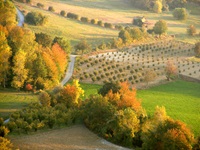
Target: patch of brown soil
[77, 137]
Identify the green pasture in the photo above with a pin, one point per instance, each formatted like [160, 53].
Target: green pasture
[12, 101]
[181, 100]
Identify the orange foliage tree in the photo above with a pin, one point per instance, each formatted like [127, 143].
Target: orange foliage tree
[125, 97]
[60, 58]
[171, 70]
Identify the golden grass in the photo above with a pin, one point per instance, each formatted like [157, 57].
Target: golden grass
[112, 11]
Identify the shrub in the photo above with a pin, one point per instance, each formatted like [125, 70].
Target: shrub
[191, 30]
[51, 9]
[73, 16]
[100, 23]
[29, 87]
[85, 19]
[94, 21]
[180, 13]
[44, 99]
[62, 13]
[108, 25]
[115, 87]
[40, 5]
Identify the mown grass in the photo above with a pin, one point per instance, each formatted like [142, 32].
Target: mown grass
[181, 100]
[13, 101]
[112, 11]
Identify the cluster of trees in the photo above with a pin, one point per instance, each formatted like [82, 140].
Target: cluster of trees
[24, 58]
[124, 121]
[36, 18]
[159, 5]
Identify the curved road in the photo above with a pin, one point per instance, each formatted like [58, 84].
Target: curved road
[69, 70]
[20, 18]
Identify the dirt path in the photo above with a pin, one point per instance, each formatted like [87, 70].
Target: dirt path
[77, 137]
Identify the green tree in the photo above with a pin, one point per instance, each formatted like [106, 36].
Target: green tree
[160, 27]
[180, 13]
[43, 39]
[82, 46]
[36, 18]
[5, 54]
[62, 13]
[51, 9]
[125, 36]
[136, 33]
[115, 87]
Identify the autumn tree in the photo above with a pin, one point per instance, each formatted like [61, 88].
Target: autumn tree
[19, 71]
[157, 7]
[60, 58]
[71, 94]
[171, 70]
[7, 13]
[191, 30]
[162, 132]
[160, 27]
[149, 76]
[5, 54]
[64, 44]
[197, 49]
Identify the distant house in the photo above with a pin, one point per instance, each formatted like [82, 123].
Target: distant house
[140, 21]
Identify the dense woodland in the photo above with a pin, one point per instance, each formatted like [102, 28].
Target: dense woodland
[29, 58]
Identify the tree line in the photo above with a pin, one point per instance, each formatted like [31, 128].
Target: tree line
[25, 58]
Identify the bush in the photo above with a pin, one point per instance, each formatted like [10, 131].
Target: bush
[191, 30]
[5, 144]
[180, 13]
[36, 18]
[40, 5]
[85, 19]
[115, 87]
[51, 9]
[62, 13]
[45, 99]
[73, 16]
[108, 25]
[100, 23]
[29, 87]
[94, 21]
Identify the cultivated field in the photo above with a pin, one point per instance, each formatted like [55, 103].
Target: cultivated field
[131, 64]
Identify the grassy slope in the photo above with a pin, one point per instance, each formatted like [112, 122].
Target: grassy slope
[71, 29]
[181, 100]
[13, 101]
[116, 12]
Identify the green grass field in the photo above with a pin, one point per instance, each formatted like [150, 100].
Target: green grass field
[13, 101]
[180, 98]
